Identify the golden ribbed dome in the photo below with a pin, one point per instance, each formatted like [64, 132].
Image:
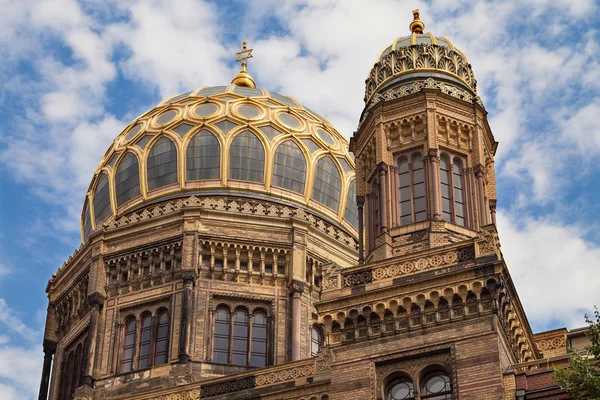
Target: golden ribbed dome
[418, 57]
[225, 140]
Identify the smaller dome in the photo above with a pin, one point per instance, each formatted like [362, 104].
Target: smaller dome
[418, 57]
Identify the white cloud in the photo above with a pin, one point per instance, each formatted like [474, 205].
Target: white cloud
[553, 266]
[13, 323]
[4, 270]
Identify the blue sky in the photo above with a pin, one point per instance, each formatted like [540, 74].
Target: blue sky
[74, 74]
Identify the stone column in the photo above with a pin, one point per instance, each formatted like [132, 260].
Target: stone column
[493, 210]
[189, 279]
[49, 349]
[96, 301]
[382, 198]
[360, 201]
[296, 290]
[479, 175]
[434, 165]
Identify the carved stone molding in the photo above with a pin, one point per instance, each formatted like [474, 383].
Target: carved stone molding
[287, 374]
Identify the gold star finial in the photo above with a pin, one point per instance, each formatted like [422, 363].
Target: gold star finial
[243, 78]
[244, 55]
[417, 25]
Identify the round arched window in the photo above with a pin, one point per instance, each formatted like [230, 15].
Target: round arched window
[400, 388]
[436, 386]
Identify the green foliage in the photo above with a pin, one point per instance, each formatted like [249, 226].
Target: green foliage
[582, 378]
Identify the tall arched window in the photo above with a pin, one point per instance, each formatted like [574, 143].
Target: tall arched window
[413, 198]
[87, 222]
[162, 338]
[327, 186]
[247, 158]
[400, 389]
[436, 386]
[203, 157]
[239, 350]
[459, 197]
[316, 340]
[445, 186]
[162, 164]
[375, 224]
[128, 346]
[258, 351]
[221, 338]
[102, 199]
[77, 367]
[351, 213]
[452, 186]
[127, 179]
[145, 342]
[69, 388]
[289, 170]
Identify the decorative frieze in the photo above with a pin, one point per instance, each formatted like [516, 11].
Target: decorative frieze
[72, 306]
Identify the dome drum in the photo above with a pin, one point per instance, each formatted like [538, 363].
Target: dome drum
[234, 139]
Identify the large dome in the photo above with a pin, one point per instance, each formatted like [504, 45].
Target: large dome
[232, 140]
[418, 57]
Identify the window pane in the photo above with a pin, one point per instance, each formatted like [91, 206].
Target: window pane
[446, 206]
[446, 216]
[258, 351]
[445, 190]
[239, 349]
[420, 190]
[458, 195]
[417, 162]
[420, 204]
[162, 164]
[327, 185]
[162, 339]
[405, 193]
[458, 181]
[128, 346]
[102, 199]
[460, 221]
[406, 220]
[400, 389]
[405, 208]
[289, 167]
[418, 175]
[87, 223]
[203, 157]
[221, 339]
[127, 179]
[420, 216]
[247, 157]
[403, 167]
[351, 213]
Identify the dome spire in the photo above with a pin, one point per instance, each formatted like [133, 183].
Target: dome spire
[243, 78]
[417, 25]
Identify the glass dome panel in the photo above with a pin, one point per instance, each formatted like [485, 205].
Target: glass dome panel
[87, 222]
[248, 111]
[203, 157]
[327, 185]
[289, 167]
[327, 138]
[166, 117]
[270, 131]
[345, 166]
[143, 142]
[133, 131]
[225, 126]
[284, 100]
[246, 91]
[211, 91]
[205, 110]
[162, 164]
[181, 96]
[127, 179]
[247, 158]
[310, 144]
[102, 199]
[182, 129]
[351, 213]
[289, 120]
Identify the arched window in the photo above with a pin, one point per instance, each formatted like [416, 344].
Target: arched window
[87, 222]
[162, 164]
[258, 352]
[351, 213]
[239, 350]
[77, 368]
[162, 338]
[203, 157]
[457, 306]
[128, 346]
[247, 158]
[221, 345]
[411, 179]
[327, 185]
[102, 199]
[69, 387]
[459, 197]
[145, 342]
[375, 224]
[316, 340]
[400, 389]
[436, 386]
[289, 170]
[452, 186]
[127, 179]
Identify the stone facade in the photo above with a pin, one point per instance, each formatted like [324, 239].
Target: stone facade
[421, 294]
